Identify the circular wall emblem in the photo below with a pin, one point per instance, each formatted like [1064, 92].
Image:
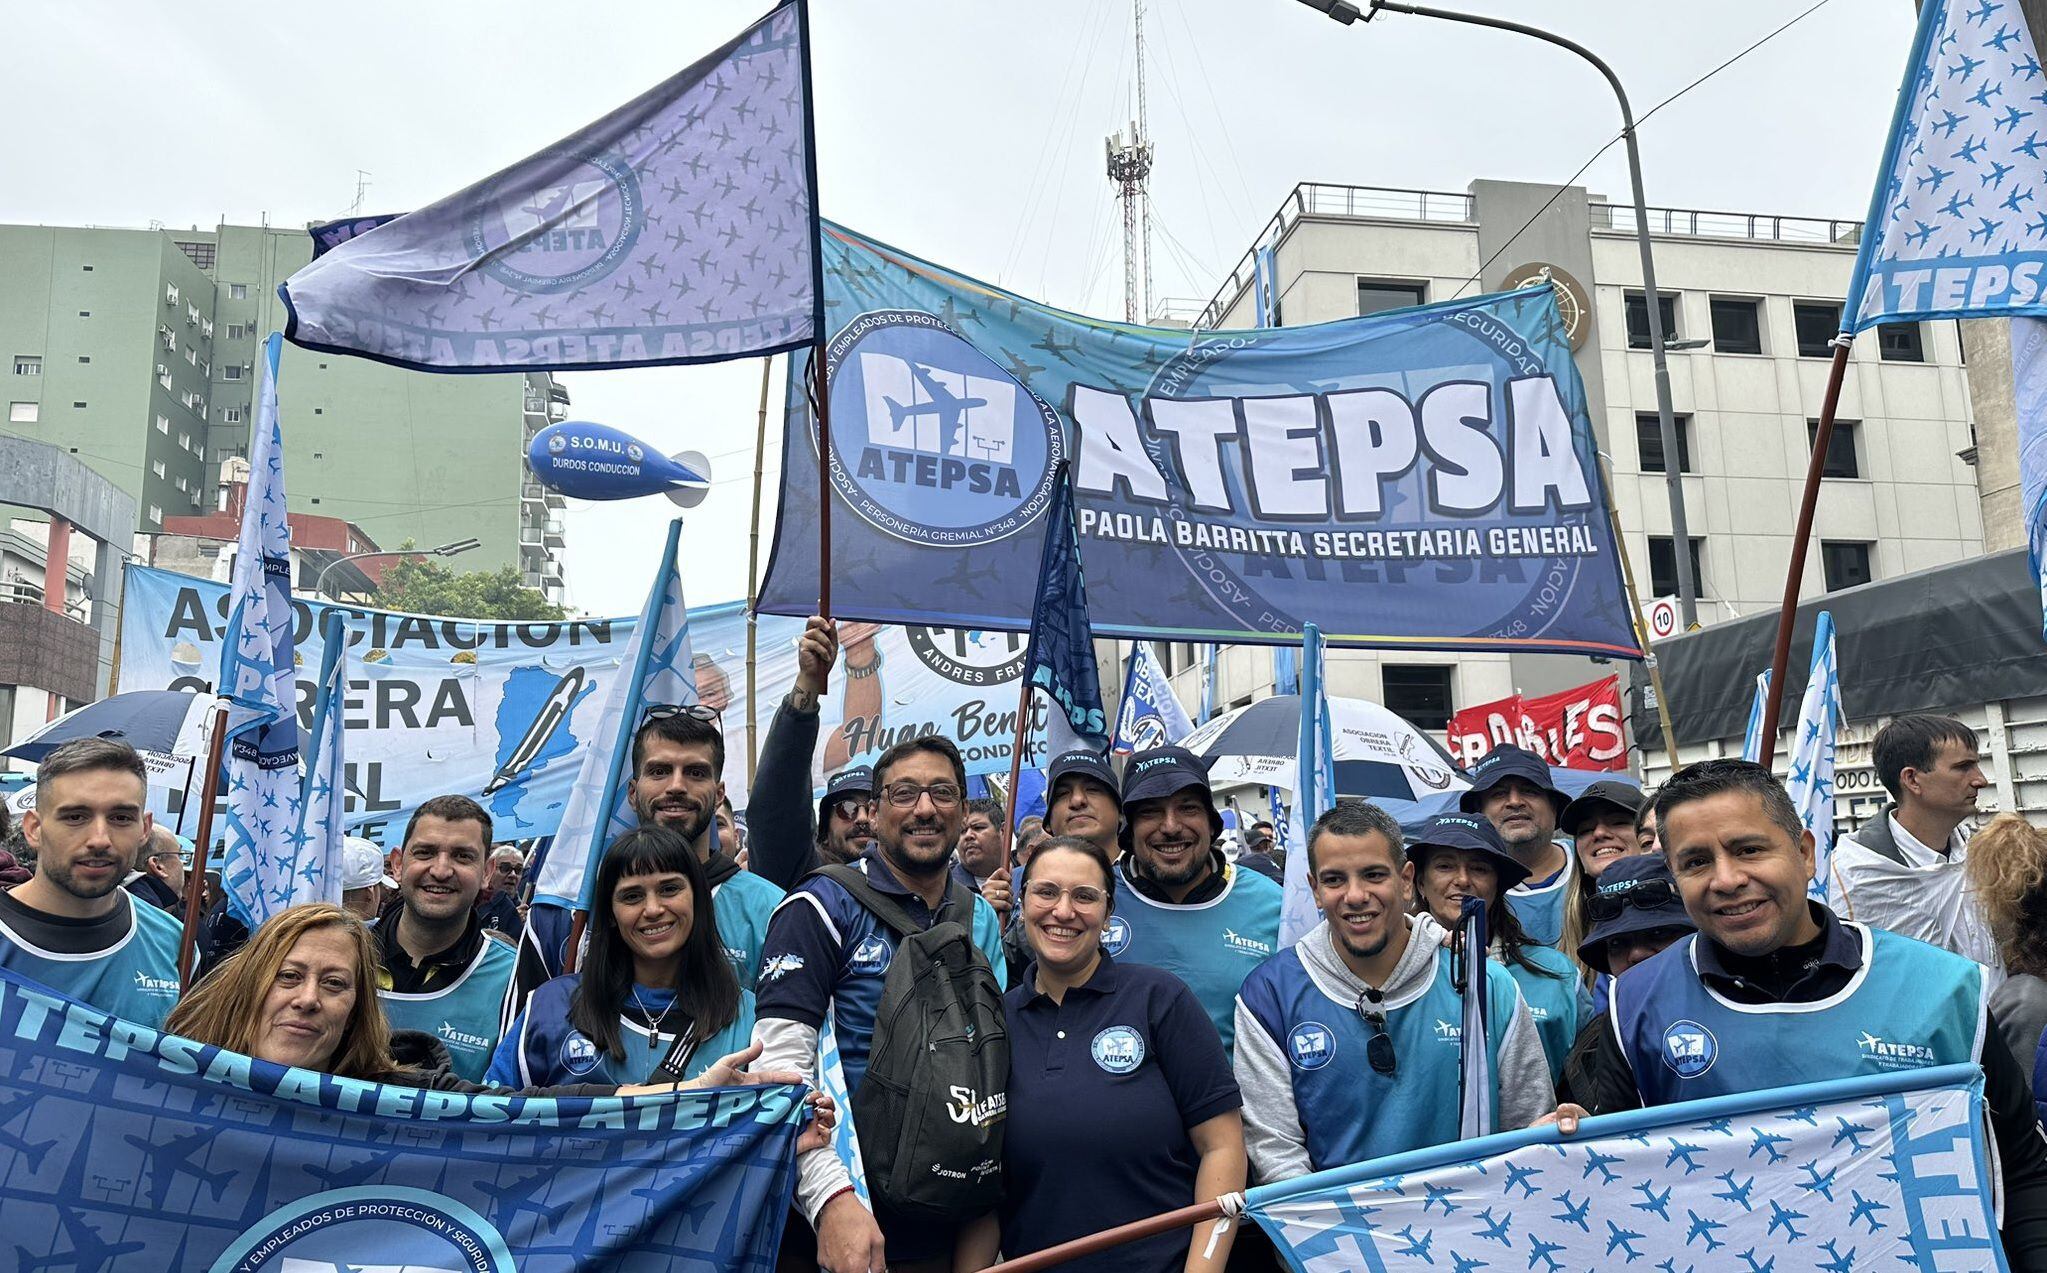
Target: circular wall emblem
[970, 656]
[1572, 302]
[1116, 935]
[871, 957]
[1690, 1049]
[564, 236]
[931, 441]
[371, 1225]
[1311, 1046]
[579, 1054]
[1118, 1049]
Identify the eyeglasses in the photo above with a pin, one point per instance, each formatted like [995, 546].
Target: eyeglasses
[852, 807]
[1085, 896]
[695, 711]
[1380, 1050]
[1649, 895]
[904, 795]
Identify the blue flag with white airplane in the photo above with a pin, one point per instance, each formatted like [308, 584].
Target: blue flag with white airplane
[1151, 715]
[680, 228]
[1811, 780]
[1956, 225]
[323, 812]
[1886, 1171]
[1059, 662]
[259, 679]
[124, 1148]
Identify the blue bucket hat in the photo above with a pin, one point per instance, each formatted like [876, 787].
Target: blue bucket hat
[1508, 761]
[1471, 832]
[1636, 894]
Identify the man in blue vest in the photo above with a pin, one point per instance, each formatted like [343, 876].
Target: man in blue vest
[72, 926]
[1348, 1042]
[1774, 990]
[442, 974]
[827, 953]
[1184, 906]
[678, 757]
[1512, 788]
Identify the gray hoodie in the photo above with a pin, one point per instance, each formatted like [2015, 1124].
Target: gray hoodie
[1272, 1128]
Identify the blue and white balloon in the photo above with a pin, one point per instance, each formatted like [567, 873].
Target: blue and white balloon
[595, 461]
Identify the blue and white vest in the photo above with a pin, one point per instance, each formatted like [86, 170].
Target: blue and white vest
[544, 1050]
[1541, 910]
[1350, 1111]
[1910, 1005]
[1212, 945]
[463, 1015]
[135, 979]
[743, 905]
[1558, 1004]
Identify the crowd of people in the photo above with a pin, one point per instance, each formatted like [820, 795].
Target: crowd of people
[1162, 1047]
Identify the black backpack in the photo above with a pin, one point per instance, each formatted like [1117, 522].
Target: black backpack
[931, 1107]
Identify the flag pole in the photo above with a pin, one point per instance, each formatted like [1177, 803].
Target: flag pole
[195, 883]
[1641, 630]
[753, 557]
[1794, 575]
[1053, 1256]
[820, 407]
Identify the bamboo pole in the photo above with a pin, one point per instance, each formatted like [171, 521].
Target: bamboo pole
[195, 883]
[753, 557]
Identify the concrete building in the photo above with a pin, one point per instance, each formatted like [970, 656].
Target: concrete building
[1762, 291]
[139, 351]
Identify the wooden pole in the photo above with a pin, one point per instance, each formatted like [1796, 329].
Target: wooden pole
[821, 408]
[577, 921]
[1794, 575]
[1052, 1256]
[195, 883]
[753, 558]
[1021, 740]
[1635, 618]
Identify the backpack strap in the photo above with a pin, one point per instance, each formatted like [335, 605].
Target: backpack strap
[879, 904]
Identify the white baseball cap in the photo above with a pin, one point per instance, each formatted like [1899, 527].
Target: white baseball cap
[362, 864]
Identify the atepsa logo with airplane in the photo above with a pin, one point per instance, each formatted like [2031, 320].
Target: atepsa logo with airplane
[563, 236]
[931, 441]
[386, 1226]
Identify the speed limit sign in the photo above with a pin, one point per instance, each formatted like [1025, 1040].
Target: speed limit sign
[1661, 618]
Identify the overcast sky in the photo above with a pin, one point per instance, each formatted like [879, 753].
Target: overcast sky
[965, 131]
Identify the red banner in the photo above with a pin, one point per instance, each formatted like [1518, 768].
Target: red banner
[1576, 729]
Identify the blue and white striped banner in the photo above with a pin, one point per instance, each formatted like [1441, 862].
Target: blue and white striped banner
[1888, 1171]
[1811, 781]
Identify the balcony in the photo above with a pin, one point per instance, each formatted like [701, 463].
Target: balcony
[531, 579]
[557, 412]
[552, 536]
[531, 493]
[1761, 227]
[529, 537]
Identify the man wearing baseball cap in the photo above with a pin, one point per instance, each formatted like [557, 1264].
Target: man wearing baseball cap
[1511, 786]
[1634, 913]
[1461, 855]
[1083, 798]
[364, 881]
[1186, 908]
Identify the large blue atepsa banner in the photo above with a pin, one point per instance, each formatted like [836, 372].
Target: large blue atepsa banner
[1424, 478]
[123, 1148]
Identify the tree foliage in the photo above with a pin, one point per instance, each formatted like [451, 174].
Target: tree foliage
[425, 586]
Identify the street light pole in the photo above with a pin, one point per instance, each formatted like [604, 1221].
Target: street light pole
[445, 550]
[1687, 586]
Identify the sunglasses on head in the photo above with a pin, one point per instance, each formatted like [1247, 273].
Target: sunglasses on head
[1380, 1050]
[695, 711]
[1649, 895]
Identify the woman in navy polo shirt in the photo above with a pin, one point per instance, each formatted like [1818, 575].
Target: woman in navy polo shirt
[1122, 1104]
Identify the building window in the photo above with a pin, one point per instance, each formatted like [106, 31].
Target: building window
[1649, 442]
[27, 366]
[236, 331]
[1818, 322]
[85, 313]
[1663, 565]
[1418, 694]
[1900, 342]
[1378, 295]
[1843, 458]
[185, 441]
[1637, 304]
[1845, 565]
[85, 357]
[156, 514]
[156, 467]
[238, 291]
[1737, 325]
[200, 253]
[233, 371]
[24, 412]
[78, 406]
[231, 415]
[163, 425]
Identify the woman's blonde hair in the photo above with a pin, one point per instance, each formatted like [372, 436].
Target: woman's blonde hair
[2007, 872]
[226, 1010]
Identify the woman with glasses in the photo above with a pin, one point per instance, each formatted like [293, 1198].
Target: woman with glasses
[1121, 1101]
[1462, 862]
[655, 990]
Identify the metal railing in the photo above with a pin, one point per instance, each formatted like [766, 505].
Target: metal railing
[1761, 227]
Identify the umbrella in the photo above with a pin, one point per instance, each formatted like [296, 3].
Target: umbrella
[167, 722]
[1378, 755]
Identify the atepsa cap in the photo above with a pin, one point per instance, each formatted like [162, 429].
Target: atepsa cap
[1636, 894]
[1606, 793]
[1470, 832]
[853, 780]
[362, 864]
[1088, 764]
[1162, 771]
[1502, 763]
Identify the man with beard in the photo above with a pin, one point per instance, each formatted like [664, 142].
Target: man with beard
[678, 756]
[1187, 910]
[828, 953]
[1348, 1042]
[785, 844]
[72, 926]
[1512, 788]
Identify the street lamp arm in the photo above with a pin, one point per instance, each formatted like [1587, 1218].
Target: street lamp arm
[1550, 37]
[445, 550]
